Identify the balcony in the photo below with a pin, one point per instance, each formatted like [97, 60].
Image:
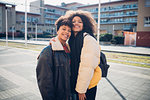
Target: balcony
[49, 17]
[49, 22]
[55, 12]
[115, 16]
[127, 27]
[119, 8]
[116, 22]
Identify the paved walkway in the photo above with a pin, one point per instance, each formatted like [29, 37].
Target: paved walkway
[18, 79]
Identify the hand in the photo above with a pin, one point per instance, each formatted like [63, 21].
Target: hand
[82, 96]
[53, 39]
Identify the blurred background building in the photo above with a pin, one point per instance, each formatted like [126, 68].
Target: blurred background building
[117, 17]
[143, 23]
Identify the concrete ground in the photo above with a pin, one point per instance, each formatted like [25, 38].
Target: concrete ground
[18, 80]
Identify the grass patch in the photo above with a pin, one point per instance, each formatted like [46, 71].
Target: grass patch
[129, 59]
[127, 63]
[21, 45]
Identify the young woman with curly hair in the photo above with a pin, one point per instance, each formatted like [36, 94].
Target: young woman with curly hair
[85, 55]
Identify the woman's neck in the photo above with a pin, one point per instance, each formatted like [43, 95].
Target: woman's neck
[75, 33]
[62, 41]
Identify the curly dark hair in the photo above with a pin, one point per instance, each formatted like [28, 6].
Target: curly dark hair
[89, 24]
[62, 21]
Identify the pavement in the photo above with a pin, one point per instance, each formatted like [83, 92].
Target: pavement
[18, 77]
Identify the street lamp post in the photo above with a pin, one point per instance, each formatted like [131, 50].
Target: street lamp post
[98, 21]
[36, 31]
[6, 29]
[13, 30]
[36, 23]
[6, 11]
[113, 31]
[25, 22]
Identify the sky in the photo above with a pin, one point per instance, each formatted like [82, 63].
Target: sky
[20, 3]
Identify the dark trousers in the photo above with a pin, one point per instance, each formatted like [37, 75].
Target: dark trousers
[90, 94]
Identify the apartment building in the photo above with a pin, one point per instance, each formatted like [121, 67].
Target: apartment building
[49, 14]
[41, 17]
[37, 6]
[115, 17]
[7, 9]
[71, 6]
[143, 24]
[33, 19]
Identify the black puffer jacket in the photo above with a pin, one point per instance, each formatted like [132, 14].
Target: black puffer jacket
[53, 73]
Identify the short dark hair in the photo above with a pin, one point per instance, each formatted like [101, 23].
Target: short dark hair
[63, 21]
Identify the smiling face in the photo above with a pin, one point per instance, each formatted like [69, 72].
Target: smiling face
[64, 33]
[77, 24]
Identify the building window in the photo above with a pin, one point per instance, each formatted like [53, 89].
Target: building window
[147, 21]
[22, 18]
[29, 29]
[39, 30]
[147, 3]
[96, 9]
[33, 29]
[135, 5]
[22, 29]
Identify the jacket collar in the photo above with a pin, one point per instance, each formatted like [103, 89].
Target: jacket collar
[57, 46]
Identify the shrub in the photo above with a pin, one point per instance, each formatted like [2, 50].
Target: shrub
[118, 40]
[106, 37]
[2, 35]
[20, 35]
[46, 35]
[113, 41]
